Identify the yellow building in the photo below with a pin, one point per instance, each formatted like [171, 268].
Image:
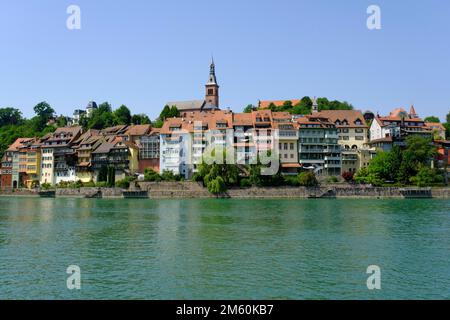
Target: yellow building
[33, 165]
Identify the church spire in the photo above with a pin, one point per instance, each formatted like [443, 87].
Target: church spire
[212, 73]
[212, 88]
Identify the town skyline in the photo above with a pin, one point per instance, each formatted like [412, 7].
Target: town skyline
[378, 70]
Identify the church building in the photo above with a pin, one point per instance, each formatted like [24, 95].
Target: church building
[211, 101]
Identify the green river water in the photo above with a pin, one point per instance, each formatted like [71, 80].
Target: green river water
[224, 249]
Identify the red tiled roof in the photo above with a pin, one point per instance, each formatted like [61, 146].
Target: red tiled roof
[265, 104]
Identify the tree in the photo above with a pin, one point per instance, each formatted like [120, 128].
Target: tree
[174, 112]
[10, 116]
[165, 113]
[44, 111]
[111, 182]
[102, 117]
[104, 107]
[103, 174]
[122, 115]
[425, 176]
[304, 107]
[140, 119]
[432, 119]
[249, 108]
[448, 117]
[217, 186]
[61, 121]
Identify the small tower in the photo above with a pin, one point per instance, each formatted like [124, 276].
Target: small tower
[212, 88]
[315, 106]
[412, 112]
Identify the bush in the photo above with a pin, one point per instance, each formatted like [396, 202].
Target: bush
[89, 184]
[307, 179]
[46, 186]
[292, 181]
[124, 183]
[168, 176]
[151, 175]
[63, 185]
[332, 179]
[425, 177]
[101, 184]
[348, 176]
[245, 183]
[78, 184]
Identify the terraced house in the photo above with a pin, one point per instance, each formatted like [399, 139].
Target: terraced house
[120, 154]
[353, 135]
[58, 157]
[303, 143]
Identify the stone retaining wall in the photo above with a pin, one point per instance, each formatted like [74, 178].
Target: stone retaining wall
[190, 190]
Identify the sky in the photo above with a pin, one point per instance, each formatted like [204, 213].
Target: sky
[145, 53]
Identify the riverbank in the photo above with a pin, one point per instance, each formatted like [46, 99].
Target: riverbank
[194, 190]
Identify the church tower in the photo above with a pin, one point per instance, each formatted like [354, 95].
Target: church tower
[212, 88]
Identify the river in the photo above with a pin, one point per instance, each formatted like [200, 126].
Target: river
[224, 249]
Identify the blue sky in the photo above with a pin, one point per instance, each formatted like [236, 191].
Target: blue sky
[144, 53]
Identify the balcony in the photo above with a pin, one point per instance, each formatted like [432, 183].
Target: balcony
[331, 136]
[331, 158]
[315, 150]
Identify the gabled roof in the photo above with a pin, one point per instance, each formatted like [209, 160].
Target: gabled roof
[19, 143]
[265, 104]
[138, 130]
[187, 105]
[243, 119]
[349, 116]
[114, 130]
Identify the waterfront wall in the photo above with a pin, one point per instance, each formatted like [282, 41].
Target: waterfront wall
[191, 190]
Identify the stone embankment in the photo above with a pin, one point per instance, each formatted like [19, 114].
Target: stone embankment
[191, 190]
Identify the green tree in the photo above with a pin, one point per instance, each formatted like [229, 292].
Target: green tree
[122, 115]
[432, 119]
[140, 119]
[102, 117]
[217, 186]
[61, 121]
[103, 174]
[10, 116]
[165, 113]
[425, 176]
[174, 112]
[44, 112]
[249, 108]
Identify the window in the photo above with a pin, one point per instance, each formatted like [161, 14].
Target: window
[210, 92]
[149, 147]
[292, 146]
